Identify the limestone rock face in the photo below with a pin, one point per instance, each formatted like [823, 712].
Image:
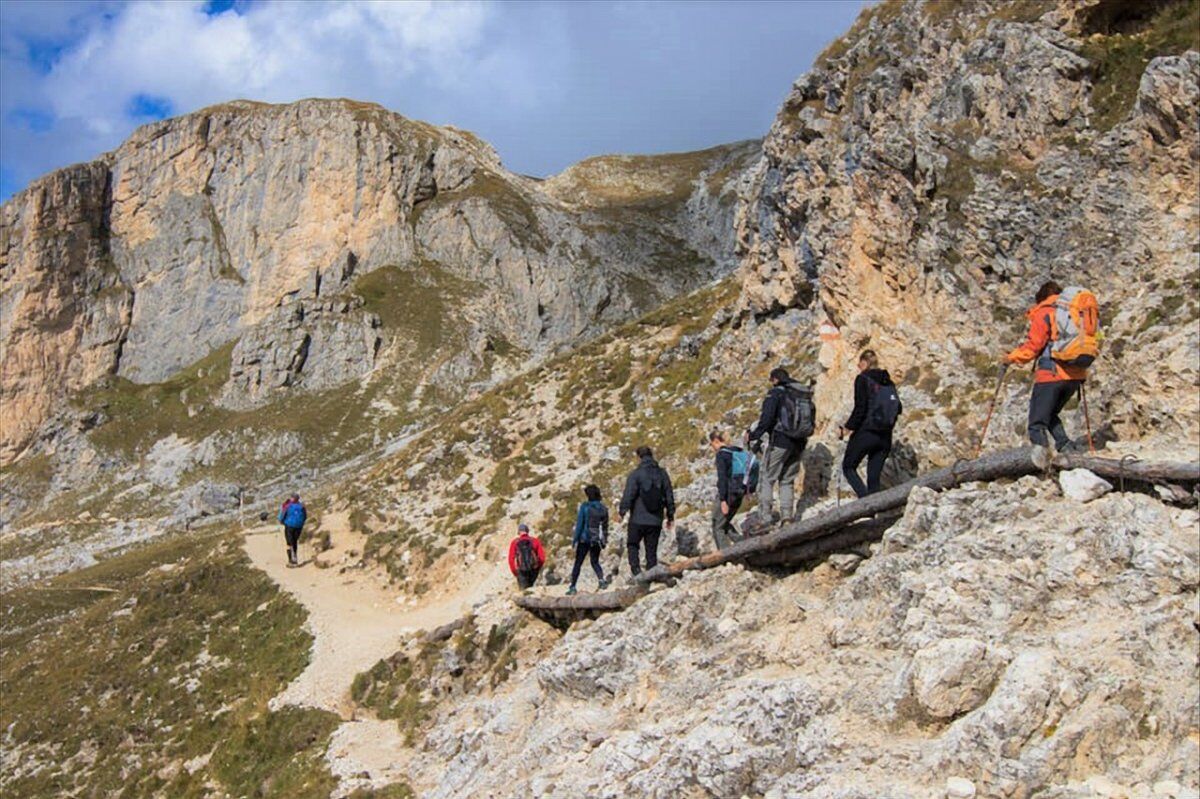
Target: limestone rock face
[55, 251]
[309, 343]
[938, 164]
[258, 222]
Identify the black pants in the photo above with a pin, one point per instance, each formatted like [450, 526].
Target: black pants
[582, 550]
[637, 534]
[292, 536]
[873, 446]
[527, 579]
[1045, 405]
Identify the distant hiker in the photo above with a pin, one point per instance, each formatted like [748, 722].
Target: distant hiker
[876, 409]
[737, 475]
[526, 557]
[648, 498]
[292, 516]
[787, 419]
[590, 536]
[1062, 343]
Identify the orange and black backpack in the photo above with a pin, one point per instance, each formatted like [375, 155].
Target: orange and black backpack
[1075, 328]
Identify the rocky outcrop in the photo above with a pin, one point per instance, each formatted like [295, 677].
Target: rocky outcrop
[938, 163]
[1020, 654]
[236, 221]
[309, 344]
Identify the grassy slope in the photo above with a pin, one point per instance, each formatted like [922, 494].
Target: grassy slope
[616, 391]
[116, 676]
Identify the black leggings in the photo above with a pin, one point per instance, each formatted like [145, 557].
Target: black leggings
[875, 448]
[582, 550]
[292, 536]
[1045, 405]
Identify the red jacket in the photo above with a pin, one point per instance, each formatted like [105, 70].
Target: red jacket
[1034, 348]
[538, 552]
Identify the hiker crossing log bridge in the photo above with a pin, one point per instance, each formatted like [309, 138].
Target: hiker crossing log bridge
[862, 520]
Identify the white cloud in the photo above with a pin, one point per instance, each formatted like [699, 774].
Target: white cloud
[400, 54]
[275, 52]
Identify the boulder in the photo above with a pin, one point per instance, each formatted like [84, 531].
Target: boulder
[953, 676]
[1082, 485]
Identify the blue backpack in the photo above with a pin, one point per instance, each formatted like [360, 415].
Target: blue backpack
[294, 516]
[744, 470]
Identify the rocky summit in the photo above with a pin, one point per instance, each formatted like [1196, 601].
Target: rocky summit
[329, 298]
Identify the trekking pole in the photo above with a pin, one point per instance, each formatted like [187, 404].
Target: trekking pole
[1087, 420]
[991, 409]
[837, 468]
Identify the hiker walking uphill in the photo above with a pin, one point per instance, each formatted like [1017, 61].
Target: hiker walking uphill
[648, 499]
[788, 418]
[526, 557]
[590, 536]
[292, 516]
[737, 475]
[876, 408]
[1062, 344]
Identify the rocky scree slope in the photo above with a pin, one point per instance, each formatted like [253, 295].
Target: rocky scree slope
[263, 266]
[1029, 644]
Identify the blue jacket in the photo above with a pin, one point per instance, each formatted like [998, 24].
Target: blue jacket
[293, 515]
[591, 515]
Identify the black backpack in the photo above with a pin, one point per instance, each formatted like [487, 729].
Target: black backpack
[652, 493]
[797, 412]
[526, 557]
[597, 525]
[883, 407]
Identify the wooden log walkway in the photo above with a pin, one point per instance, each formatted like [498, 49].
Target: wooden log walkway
[860, 521]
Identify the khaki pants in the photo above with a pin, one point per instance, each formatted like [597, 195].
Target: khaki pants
[781, 467]
[723, 531]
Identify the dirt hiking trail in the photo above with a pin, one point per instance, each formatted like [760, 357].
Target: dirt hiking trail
[354, 618]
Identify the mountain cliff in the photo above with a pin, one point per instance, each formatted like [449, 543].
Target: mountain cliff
[324, 239]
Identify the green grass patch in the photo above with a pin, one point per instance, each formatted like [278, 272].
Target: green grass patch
[163, 655]
[1119, 59]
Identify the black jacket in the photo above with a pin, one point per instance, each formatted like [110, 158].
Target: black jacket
[640, 481]
[862, 396]
[728, 488]
[769, 417]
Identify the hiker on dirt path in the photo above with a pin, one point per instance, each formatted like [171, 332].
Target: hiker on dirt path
[1054, 381]
[590, 536]
[292, 516]
[648, 498]
[526, 557]
[787, 419]
[736, 473]
[876, 408]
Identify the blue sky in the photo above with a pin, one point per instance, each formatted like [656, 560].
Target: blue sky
[546, 83]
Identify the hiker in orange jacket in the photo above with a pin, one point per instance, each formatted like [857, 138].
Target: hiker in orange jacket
[1054, 383]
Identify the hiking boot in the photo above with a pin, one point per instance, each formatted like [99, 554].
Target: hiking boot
[605, 583]
[571, 590]
[1072, 448]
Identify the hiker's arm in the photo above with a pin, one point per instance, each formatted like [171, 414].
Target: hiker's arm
[540, 551]
[580, 521]
[629, 496]
[861, 395]
[723, 461]
[1035, 342]
[512, 556]
[670, 499]
[766, 419]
